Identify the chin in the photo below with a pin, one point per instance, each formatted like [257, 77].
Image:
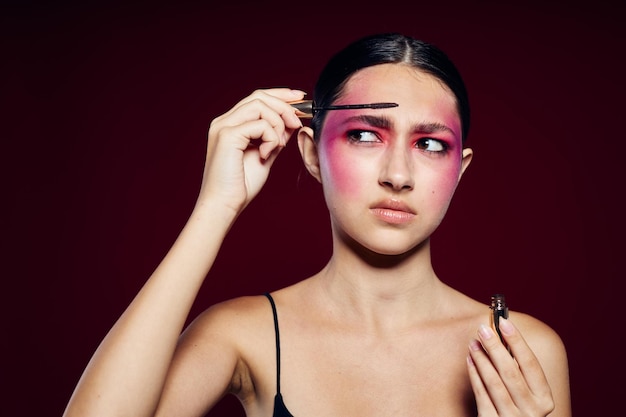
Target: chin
[399, 244]
[393, 250]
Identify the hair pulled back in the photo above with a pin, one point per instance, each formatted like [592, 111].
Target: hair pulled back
[388, 48]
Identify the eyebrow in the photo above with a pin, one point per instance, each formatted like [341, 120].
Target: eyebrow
[383, 122]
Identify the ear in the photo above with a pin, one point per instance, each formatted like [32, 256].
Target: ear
[308, 151]
[467, 156]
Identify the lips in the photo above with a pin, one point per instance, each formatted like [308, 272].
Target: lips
[393, 211]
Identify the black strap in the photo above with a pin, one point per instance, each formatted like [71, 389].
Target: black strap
[269, 297]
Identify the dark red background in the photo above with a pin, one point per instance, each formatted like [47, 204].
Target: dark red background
[104, 111]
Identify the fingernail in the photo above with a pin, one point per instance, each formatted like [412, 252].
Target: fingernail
[505, 326]
[475, 345]
[485, 332]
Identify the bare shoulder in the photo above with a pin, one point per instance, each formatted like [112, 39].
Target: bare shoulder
[222, 351]
[542, 338]
[232, 319]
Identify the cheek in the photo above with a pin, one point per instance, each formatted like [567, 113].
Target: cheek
[443, 185]
[339, 171]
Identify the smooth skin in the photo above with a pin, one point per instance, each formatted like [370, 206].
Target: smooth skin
[375, 332]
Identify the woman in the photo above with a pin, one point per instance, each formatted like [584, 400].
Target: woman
[375, 332]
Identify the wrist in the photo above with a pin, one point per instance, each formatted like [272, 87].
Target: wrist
[215, 212]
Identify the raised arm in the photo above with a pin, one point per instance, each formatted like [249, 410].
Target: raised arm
[126, 374]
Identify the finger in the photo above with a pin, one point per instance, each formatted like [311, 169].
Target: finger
[282, 93]
[484, 405]
[489, 375]
[254, 109]
[275, 99]
[515, 379]
[527, 361]
[257, 109]
[257, 130]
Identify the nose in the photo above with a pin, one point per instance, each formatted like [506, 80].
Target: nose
[397, 169]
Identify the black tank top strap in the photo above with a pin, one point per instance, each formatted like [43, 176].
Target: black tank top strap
[280, 410]
[277, 333]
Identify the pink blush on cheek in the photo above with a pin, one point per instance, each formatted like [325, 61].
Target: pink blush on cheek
[339, 169]
[444, 186]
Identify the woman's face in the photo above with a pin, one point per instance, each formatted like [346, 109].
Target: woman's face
[389, 174]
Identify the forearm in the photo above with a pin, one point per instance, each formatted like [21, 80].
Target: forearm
[128, 370]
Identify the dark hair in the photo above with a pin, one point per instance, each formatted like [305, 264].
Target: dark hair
[388, 48]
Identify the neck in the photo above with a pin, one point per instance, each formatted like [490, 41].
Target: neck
[381, 291]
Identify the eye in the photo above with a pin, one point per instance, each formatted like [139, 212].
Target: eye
[431, 145]
[362, 136]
